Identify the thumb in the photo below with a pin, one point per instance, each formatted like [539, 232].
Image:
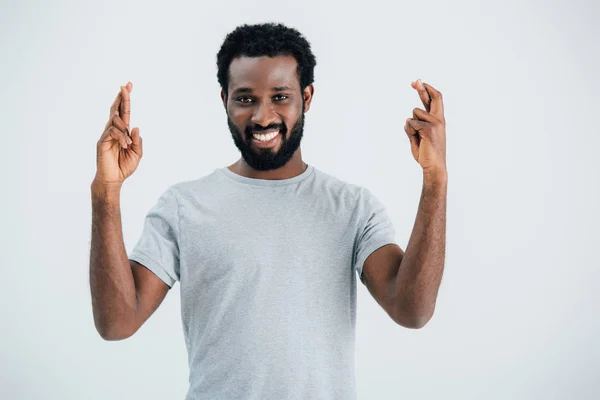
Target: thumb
[136, 140]
[135, 135]
[413, 135]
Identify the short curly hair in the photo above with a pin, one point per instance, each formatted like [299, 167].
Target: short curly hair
[267, 39]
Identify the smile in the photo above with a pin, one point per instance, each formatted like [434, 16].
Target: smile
[266, 140]
[265, 137]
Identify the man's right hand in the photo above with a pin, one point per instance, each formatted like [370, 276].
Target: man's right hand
[118, 153]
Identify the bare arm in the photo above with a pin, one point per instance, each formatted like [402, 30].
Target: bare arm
[114, 299]
[420, 272]
[406, 284]
[124, 293]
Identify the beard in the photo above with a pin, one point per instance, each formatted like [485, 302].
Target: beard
[267, 159]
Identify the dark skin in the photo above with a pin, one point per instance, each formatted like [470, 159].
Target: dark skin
[253, 99]
[405, 284]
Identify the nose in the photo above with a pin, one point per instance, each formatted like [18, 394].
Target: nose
[264, 115]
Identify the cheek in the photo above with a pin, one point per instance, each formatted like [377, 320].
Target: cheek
[236, 114]
[239, 119]
[291, 120]
[291, 116]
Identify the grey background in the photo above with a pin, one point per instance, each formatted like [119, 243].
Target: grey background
[517, 312]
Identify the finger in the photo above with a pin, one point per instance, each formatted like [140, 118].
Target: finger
[413, 135]
[425, 99]
[114, 109]
[136, 146]
[119, 123]
[419, 125]
[125, 108]
[422, 115]
[437, 103]
[113, 133]
[110, 120]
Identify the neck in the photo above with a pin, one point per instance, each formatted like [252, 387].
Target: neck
[294, 167]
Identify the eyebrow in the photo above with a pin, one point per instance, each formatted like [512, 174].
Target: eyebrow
[249, 90]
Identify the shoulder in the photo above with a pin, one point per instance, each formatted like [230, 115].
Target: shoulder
[192, 188]
[358, 198]
[342, 189]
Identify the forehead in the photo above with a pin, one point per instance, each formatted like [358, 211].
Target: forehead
[263, 73]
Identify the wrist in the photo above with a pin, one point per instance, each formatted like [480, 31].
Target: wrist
[106, 189]
[435, 175]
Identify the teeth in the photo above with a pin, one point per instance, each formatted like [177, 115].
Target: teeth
[265, 137]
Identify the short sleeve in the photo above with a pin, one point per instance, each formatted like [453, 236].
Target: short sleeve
[375, 229]
[158, 247]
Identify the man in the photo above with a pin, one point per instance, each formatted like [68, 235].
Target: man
[266, 250]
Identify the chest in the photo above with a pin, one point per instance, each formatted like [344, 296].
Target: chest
[275, 245]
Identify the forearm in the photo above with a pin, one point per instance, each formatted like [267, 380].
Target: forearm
[421, 268]
[112, 285]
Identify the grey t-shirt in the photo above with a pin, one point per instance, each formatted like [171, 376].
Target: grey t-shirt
[268, 273]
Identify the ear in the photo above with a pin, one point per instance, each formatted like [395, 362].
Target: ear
[224, 99]
[307, 95]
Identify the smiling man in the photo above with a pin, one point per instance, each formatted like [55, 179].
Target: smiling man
[260, 131]
[267, 250]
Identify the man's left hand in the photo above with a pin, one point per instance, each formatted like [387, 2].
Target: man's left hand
[427, 130]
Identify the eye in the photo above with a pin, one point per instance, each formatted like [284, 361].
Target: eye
[248, 100]
[242, 99]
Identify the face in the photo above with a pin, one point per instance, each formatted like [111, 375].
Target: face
[265, 109]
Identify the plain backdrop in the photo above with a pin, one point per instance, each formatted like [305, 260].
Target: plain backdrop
[517, 312]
